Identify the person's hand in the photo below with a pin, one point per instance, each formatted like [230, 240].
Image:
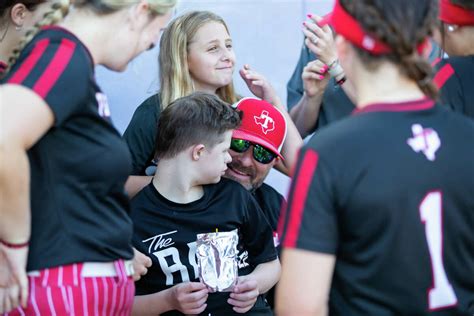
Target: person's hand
[244, 295]
[189, 297]
[315, 78]
[259, 85]
[141, 263]
[13, 278]
[320, 40]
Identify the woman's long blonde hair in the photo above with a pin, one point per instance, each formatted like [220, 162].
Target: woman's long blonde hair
[60, 8]
[175, 79]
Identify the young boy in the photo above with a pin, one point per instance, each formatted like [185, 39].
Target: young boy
[187, 197]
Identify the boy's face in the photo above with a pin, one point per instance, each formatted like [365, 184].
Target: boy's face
[214, 160]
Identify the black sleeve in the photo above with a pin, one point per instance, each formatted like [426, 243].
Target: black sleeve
[294, 86]
[310, 220]
[140, 134]
[451, 90]
[58, 71]
[257, 234]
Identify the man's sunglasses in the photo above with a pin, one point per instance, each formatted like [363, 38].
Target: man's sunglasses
[260, 153]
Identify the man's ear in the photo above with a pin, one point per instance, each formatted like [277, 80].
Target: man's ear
[18, 14]
[197, 151]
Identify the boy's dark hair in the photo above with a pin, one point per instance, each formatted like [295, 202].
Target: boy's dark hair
[403, 25]
[199, 118]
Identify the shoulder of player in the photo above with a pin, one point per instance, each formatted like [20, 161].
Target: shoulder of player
[458, 121]
[341, 133]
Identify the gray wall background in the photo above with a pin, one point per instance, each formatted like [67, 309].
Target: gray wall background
[266, 35]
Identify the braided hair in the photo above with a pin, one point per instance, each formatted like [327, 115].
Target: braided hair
[57, 12]
[403, 25]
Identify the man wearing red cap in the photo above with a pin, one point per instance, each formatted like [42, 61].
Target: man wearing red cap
[455, 75]
[255, 148]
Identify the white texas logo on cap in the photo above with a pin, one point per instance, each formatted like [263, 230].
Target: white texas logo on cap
[265, 121]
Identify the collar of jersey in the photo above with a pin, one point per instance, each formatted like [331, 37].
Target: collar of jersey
[415, 105]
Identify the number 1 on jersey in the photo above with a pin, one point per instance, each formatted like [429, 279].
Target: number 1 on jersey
[441, 294]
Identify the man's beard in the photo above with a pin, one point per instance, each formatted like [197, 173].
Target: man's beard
[248, 171]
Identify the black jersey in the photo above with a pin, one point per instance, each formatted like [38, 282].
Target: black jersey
[270, 201]
[140, 136]
[455, 78]
[166, 232]
[79, 167]
[389, 192]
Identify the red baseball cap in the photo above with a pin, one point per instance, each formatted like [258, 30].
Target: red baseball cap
[262, 123]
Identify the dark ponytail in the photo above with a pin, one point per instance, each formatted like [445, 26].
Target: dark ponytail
[403, 25]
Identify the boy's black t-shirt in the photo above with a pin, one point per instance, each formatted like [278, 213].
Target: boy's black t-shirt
[166, 232]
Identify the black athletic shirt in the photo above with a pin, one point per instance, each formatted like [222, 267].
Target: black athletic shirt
[79, 167]
[373, 190]
[270, 201]
[140, 136]
[455, 78]
[166, 232]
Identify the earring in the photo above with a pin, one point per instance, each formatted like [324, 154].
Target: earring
[18, 27]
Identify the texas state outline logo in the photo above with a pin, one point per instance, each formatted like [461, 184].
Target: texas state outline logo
[265, 121]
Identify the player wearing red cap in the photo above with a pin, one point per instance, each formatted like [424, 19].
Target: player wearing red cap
[255, 149]
[380, 212]
[455, 75]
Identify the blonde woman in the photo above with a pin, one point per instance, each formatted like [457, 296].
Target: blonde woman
[65, 235]
[196, 54]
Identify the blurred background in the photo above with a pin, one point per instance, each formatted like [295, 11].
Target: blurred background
[266, 35]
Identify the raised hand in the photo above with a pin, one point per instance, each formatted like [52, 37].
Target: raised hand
[320, 40]
[315, 78]
[259, 85]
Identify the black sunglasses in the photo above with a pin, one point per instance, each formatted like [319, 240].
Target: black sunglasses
[260, 153]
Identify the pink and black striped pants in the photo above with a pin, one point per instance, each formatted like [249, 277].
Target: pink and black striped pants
[67, 290]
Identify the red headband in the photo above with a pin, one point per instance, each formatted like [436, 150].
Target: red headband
[348, 27]
[454, 14]
[344, 24]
